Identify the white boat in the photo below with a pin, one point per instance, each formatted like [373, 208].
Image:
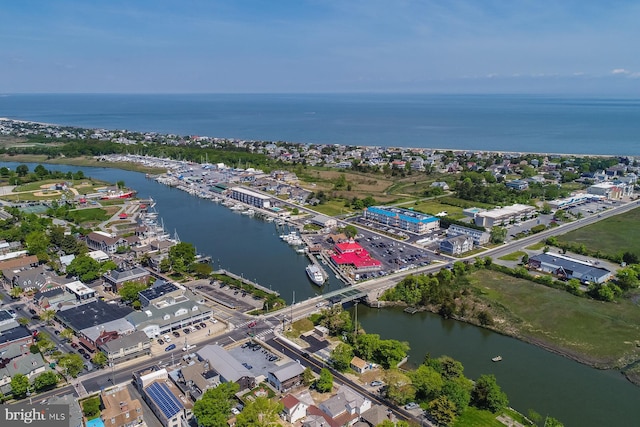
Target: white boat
[314, 273]
[497, 359]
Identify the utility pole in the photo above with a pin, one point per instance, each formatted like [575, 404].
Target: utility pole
[292, 303]
[355, 333]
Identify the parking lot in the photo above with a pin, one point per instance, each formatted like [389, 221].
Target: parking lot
[191, 335]
[259, 360]
[227, 296]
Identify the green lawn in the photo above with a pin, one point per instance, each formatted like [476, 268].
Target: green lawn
[536, 246]
[603, 333]
[611, 235]
[514, 256]
[434, 206]
[332, 208]
[92, 214]
[473, 417]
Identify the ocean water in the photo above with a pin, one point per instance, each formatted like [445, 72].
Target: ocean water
[520, 123]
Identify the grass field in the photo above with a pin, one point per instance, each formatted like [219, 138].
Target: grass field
[596, 332]
[332, 208]
[92, 214]
[536, 246]
[473, 417]
[514, 256]
[611, 235]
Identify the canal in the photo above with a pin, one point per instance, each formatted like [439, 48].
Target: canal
[533, 378]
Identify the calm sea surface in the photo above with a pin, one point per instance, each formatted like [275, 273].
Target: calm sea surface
[476, 122]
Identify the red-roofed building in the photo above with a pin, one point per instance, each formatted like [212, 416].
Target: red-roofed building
[352, 254]
[294, 409]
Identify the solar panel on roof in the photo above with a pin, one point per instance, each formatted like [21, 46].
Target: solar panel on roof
[164, 399]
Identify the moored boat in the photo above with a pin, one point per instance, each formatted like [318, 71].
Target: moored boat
[315, 274]
[497, 359]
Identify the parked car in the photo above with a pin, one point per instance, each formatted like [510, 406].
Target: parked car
[235, 411]
[410, 406]
[186, 331]
[32, 311]
[176, 334]
[170, 347]
[246, 365]
[86, 356]
[160, 341]
[203, 325]
[74, 345]
[376, 383]
[81, 350]
[214, 320]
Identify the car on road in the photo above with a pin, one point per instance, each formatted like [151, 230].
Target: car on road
[376, 383]
[86, 356]
[246, 365]
[36, 317]
[410, 406]
[32, 311]
[252, 324]
[170, 347]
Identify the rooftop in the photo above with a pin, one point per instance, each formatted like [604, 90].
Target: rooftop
[92, 314]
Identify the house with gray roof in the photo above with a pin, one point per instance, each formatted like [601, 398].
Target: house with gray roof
[126, 347]
[569, 268]
[345, 406]
[28, 364]
[114, 279]
[285, 377]
[227, 366]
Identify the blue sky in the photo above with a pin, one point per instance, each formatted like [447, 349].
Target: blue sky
[250, 46]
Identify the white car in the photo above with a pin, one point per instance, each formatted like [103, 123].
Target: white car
[235, 411]
[410, 406]
[214, 320]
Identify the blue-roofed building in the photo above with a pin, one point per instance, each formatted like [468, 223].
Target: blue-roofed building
[404, 219]
[172, 408]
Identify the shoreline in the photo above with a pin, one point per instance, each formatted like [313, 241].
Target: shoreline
[409, 147]
[632, 377]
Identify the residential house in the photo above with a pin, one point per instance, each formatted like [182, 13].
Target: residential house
[480, 237]
[456, 245]
[114, 279]
[286, 377]
[27, 363]
[98, 240]
[74, 414]
[125, 347]
[569, 268]
[346, 406]
[358, 365]
[293, 409]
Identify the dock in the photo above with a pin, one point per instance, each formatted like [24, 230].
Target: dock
[411, 310]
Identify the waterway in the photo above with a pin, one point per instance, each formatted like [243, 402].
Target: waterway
[533, 378]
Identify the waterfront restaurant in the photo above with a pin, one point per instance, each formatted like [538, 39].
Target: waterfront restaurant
[354, 255]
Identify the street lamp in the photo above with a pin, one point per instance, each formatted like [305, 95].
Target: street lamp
[29, 394]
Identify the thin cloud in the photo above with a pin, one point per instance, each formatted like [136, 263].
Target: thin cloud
[620, 71]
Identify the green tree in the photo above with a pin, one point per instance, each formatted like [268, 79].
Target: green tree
[214, 407]
[351, 231]
[19, 384]
[37, 243]
[262, 412]
[48, 315]
[324, 383]
[70, 245]
[85, 268]
[99, 359]
[627, 278]
[367, 345]
[91, 407]
[443, 410]
[15, 292]
[182, 256]
[552, 422]
[45, 380]
[44, 342]
[129, 291]
[391, 352]
[22, 170]
[202, 270]
[488, 395]
[498, 234]
[165, 265]
[66, 334]
[399, 388]
[71, 363]
[458, 391]
[307, 376]
[427, 382]
[341, 357]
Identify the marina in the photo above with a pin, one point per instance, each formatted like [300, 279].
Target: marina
[315, 274]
